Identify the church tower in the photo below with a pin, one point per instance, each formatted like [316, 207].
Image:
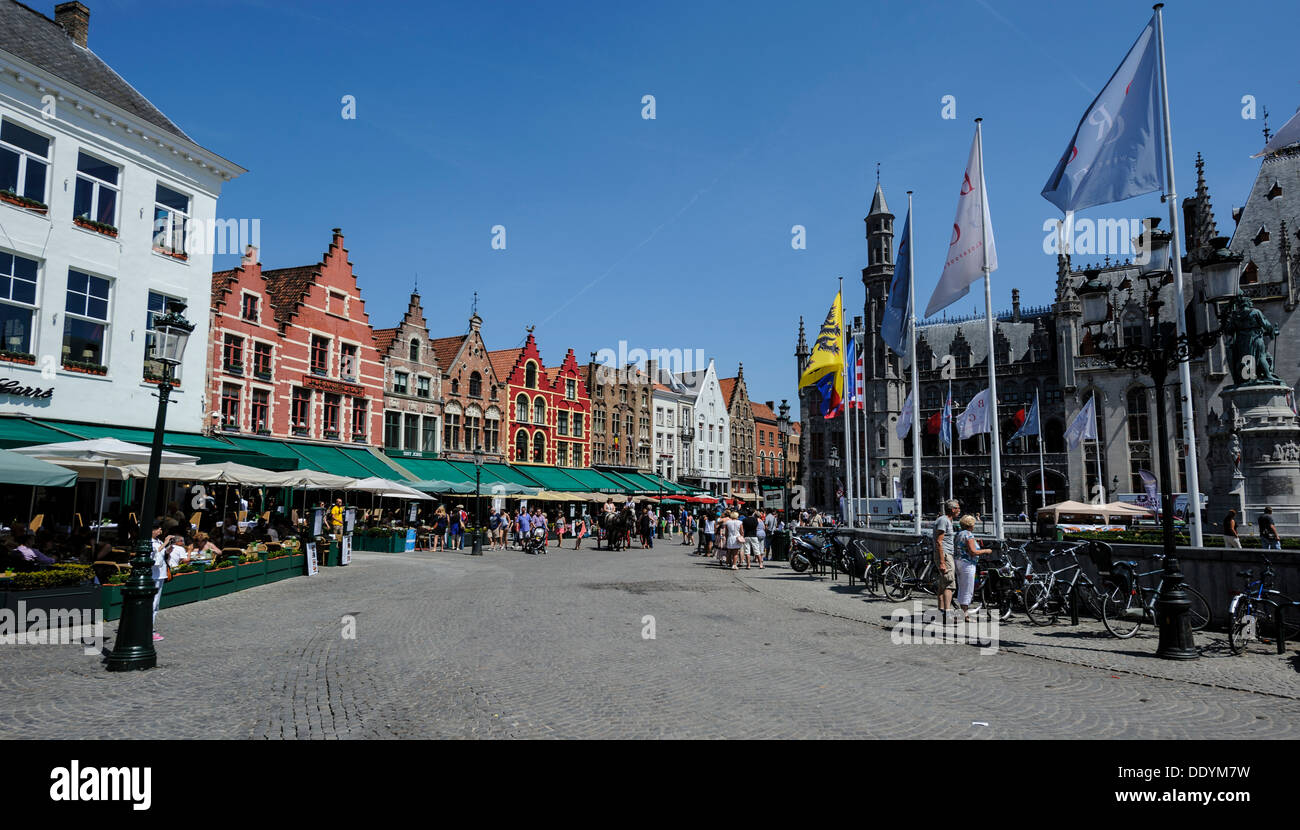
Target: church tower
[876, 277]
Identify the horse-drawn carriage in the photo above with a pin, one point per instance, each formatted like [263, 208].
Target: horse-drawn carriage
[616, 528]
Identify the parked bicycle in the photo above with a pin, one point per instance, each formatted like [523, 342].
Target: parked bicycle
[1253, 614]
[1064, 591]
[915, 571]
[1133, 604]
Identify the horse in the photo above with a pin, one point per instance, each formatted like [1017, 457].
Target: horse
[618, 528]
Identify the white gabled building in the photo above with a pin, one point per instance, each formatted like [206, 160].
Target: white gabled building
[98, 193]
[710, 464]
[673, 417]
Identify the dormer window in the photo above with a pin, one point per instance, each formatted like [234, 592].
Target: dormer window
[530, 375]
[1261, 237]
[415, 349]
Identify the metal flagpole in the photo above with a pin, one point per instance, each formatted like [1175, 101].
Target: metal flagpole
[947, 416]
[1101, 484]
[994, 438]
[852, 422]
[1042, 482]
[862, 420]
[1176, 265]
[848, 437]
[916, 390]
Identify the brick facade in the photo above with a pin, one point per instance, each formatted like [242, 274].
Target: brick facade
[548, 410]
[471, 389]
[412, 384]
[291, 353]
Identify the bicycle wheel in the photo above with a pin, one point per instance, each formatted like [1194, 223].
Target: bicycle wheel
[993, 596]
[897, 581]
[1241, 628]
[1123, 613]
[1040, 606]
[1200, 612]
[872, 579]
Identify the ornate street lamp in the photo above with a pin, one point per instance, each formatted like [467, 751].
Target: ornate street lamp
[784, 426]
[134, 646]
[476, 549]
[1158, 351]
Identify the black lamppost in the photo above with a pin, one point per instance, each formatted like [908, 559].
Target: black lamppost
[134, 647]
[476, 549]
[1154, 348]
[784, 427]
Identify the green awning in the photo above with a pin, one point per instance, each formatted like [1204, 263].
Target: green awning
[594, 481]
[434, 470]
[365, 457]
[19, 432]
[625, 483]
[179, 441]
[16, 468]
[331, 460]
[552, 478]
[670, 488]
[495, 472]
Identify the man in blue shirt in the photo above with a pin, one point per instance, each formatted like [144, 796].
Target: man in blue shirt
[525, 526]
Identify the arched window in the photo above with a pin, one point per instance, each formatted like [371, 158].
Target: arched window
[415, 348]
[455, 386]
[521, 446]
[539, 448]
[539, 411]
[521, 409]
[475, 385]
[530, 375]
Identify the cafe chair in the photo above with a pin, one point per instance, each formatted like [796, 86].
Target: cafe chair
[196, 519]
[36, 522]
[104, 569]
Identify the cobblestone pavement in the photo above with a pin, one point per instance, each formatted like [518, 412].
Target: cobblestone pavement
[509, 645]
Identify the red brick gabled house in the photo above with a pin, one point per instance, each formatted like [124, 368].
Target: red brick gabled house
[292, 353]
[549, 411]
[474, 408]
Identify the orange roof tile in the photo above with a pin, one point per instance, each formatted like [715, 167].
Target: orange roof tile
[384, 339]
[503, 362]
[762, 410]
[728, 385]
[446, 348]
[287, 287]
[221, 281]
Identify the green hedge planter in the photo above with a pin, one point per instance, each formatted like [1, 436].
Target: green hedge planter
[218, 582]
[195, 586]
[385, 543]
[250, 575]
[182, 590]
[280, 568]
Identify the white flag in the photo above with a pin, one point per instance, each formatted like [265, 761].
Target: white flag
[976, 417]
[905, 417]
[1084, 425]
[965, 262]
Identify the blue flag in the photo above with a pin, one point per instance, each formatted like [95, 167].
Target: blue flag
[1115, 151]
[851, 382]
[1030, 426]
[898, 306]
[945, 425]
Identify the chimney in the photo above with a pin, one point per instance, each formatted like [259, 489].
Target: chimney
[75, 20]
[1015, 304]
[250, 257]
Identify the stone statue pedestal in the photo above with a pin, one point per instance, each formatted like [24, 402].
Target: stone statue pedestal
[1267, 432]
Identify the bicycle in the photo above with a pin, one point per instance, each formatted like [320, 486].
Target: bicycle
[1259, 601]
[914, 571]
[1133, 604]
[1048, 597]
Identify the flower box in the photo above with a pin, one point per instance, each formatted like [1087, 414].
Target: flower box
[180, 256]
[182, 590]
[85, 367]
[219, 581]
[97, 227]
[23, 202]
[280, 567]
[300, 431]
[262, 375]
[250, 574]
[18, 357]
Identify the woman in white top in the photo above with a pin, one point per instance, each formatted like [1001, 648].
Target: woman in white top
[168, 554]
[735, 538]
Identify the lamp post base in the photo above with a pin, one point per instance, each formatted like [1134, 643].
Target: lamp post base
[134, 647]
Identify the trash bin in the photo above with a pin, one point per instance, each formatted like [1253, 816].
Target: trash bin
[780, 545]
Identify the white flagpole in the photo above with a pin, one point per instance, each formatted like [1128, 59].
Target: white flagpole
[848, 437]
[988, 315]
[1042, 482]
[1176, 263]
[862, 421]
[916, 390]
[849, 413]
[948, 417]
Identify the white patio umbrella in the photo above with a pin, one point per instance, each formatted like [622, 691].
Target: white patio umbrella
[388, 489]
[98, 455]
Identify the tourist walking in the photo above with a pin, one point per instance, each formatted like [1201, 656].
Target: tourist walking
[1230, 537]
[707, 527]
[945, 580]
[735, 540]
[1268, 538]
[753, 550]
[968, 554]
[579, 529]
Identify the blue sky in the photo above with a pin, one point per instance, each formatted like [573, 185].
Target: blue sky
[673, 232]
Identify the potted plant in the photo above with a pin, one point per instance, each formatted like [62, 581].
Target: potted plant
[23, 202]
[85, 367]
[17, 357]
[251, 571]
[91, 225]
[218, 581]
